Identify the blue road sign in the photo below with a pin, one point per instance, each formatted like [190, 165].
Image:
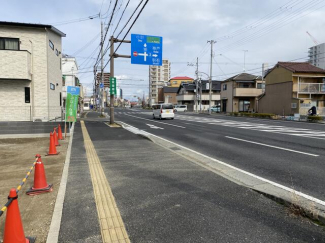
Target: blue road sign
[101, 85]
[146, 50]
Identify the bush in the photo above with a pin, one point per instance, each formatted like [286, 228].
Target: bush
[314, 118]
[257, 115]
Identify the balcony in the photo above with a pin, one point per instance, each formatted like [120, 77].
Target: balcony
[311, 88]
[192, 97]
[15, 65]
[247, 92]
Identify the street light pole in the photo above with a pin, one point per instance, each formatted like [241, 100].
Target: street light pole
[210, 78]
[197, 83]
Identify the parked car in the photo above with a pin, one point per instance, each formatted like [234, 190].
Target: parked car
[163, 111]
[128, 107]
[182, 108]
[215, 108]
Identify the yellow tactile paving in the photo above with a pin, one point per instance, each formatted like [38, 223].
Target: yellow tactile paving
[111, 223]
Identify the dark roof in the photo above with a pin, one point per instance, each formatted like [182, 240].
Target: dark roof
[216, 86]
[170, 89]
[300, 67]
[243, 77]
[42, 26]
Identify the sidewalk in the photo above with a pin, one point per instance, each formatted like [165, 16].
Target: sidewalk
[163, 197]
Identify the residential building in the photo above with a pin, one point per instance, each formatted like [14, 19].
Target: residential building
[240, 92]
[158, 78]
[317, 55]
[292, 88]
[186, 95]
[177, 81]
[170, 94]
[30, 72]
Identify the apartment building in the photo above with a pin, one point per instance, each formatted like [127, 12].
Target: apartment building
[317, 56]
[158, 78]
[240, 92]
[30, 72]
[293, 88]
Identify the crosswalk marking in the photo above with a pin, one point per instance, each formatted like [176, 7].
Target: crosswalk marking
[300, 132]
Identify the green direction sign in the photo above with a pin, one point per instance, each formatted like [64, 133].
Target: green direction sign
[112, 86]
[72, 103]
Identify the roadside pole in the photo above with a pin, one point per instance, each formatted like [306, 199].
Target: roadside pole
[112, 56]
[210, 78]
[197, 84]
[102, 72]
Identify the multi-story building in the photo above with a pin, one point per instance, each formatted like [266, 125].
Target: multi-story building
[158, 78]
[240, 92]
[293, 88]
[30, 72]
[177, 81]
[317, 56]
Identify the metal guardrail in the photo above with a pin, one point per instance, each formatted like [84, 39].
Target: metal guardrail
[4, 208]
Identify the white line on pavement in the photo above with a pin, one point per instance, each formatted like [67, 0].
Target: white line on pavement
[156, 121]
[271, 146]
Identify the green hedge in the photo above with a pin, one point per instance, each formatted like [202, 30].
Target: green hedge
[314, 118]
[258, 115]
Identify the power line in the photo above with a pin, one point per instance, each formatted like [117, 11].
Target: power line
[75, 20]
[127, 4]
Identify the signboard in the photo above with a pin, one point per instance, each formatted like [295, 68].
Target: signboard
[72, 103]
[112, 86]
[101, 85]
[146, 50]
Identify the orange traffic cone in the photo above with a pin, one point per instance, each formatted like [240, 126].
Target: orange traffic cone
[14, 231]
[40, 184]
[56, 141]
[52, 149]
[60, 132]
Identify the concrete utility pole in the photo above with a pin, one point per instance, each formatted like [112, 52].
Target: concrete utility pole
[245, 59]
[197, 84]
[112, 56]
[210, 78]
[102, 70]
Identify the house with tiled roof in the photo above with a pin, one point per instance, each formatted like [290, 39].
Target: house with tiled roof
[240, 92]
[292, 88]
[177, 81]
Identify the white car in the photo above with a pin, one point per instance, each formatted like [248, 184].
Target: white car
[182, 108]
[162, 111]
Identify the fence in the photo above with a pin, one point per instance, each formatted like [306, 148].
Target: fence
[29, 113]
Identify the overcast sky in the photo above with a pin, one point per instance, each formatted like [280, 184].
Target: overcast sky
[269, 31]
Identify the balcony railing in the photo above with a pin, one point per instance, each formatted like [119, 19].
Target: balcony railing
[311, 88]
[248, 92]
[15, 65]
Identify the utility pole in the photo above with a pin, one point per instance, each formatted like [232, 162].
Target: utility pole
[210, 78]
[245, 59]
[102, 70]
[197, 84]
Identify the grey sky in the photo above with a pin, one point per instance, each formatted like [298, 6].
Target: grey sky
[185, 25]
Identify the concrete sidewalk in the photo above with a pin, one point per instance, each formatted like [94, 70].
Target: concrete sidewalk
[163, 197]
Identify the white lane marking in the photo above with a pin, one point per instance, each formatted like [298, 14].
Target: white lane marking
[233, 167]
[156, 121]
[154, 127]
[271, 146]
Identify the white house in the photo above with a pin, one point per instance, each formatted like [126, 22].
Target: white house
[30, 72]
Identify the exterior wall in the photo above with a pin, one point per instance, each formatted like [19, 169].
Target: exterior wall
[34, 41]
[12, 97]
[170, 98]
[278, 99]
[54, 73]
[278, 75]
[227, 95]
[15, 65]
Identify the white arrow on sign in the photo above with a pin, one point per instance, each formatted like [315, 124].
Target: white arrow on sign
[155, 55]
[154, 127]
[145, 45]
[144, 55]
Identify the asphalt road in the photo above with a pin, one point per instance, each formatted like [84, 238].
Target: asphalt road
[163, 197]
[289, 153]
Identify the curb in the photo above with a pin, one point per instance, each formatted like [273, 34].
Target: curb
[310, 207]
[53, 235]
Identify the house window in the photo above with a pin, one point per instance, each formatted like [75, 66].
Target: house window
[51, 45]
[56, 52]
[27, 95]
[9, 44]
[52, 86]
[244, 105]
[224, 87]
[260, 86]
[174, 82]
